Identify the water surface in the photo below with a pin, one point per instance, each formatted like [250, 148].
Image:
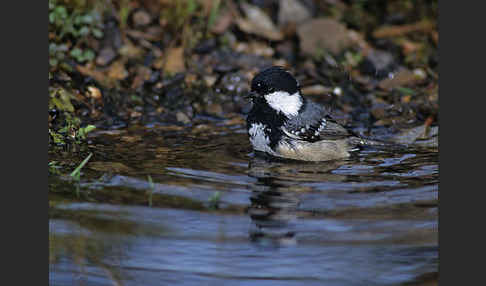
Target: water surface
[216, 214]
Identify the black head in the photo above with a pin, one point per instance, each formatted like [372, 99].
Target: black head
[274, 79]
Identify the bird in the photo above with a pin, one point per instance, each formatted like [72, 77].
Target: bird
[285, 124]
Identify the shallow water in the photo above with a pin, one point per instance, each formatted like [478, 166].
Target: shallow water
[218, 215]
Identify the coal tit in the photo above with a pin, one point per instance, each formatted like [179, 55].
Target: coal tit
[285, 124]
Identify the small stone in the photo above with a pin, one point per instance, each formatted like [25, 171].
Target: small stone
[182, 117]
[377, 63]
[135, 114]
[420, 73]
[94, 92]
[235, 82]
[105, 56]
[210, 80]
[316, 89]
[141, 18]
[214, 109]
[292, 11]
[323, 34]
[337, 91]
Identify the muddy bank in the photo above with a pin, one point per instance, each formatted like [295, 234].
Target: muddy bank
[188, 62]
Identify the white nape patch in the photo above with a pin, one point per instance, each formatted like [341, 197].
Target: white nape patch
[259, 140]
[288, 104]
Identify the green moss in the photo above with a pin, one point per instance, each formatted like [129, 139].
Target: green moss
[69, 130]
[73, 25]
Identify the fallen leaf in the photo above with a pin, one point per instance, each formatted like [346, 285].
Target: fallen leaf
[117, 70]
[143, 74]
[406, 99]
[167, 127]
[158, 62]
[222, 22]
[174, 60]
[258, 23]
[162, 150]
[97, 75]
[214, 109]
[409, 47]
[131, 138]
[129, 50]
[399, 79]
[236, 120]
[394, 31]
[255, 48]
[435, 37]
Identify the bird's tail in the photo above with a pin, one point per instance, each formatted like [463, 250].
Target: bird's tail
[365, 142]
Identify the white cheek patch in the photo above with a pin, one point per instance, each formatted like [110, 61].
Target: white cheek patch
[288, 104]
[258, 139]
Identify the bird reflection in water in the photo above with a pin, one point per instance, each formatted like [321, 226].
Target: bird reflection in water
[275, 199]
[273, 214]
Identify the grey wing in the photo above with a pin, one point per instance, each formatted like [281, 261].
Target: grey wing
[313, 124]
